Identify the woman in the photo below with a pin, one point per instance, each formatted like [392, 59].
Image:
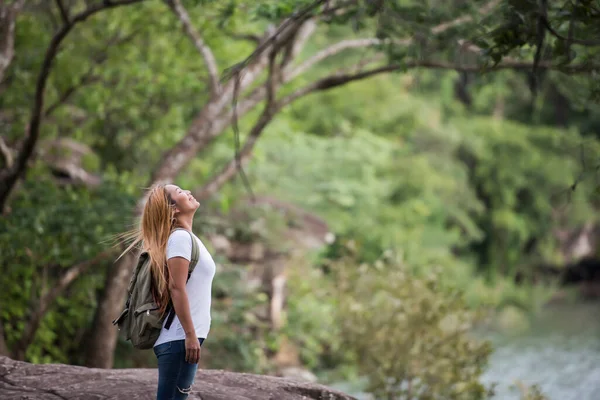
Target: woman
[178, 348]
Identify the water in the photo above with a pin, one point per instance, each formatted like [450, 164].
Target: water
[559, 351]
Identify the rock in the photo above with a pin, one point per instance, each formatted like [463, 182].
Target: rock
[24, 381]
[578, 243]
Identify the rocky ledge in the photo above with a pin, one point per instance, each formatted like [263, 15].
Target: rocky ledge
[20, 380]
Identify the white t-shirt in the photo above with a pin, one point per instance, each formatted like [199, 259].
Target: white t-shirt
[198, 287]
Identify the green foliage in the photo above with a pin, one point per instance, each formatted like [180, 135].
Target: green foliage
[520, 28]
[414, 179]
[367, 185]
[311, 317]
[507, 162]
[50, 229]
[409, 335]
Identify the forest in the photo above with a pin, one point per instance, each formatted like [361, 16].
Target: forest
[382, 182]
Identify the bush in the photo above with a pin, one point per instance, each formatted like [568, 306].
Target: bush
[409, 335]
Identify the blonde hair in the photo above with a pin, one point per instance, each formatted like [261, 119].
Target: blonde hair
[156, 224]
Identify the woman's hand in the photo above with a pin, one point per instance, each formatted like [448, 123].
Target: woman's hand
[192, 349]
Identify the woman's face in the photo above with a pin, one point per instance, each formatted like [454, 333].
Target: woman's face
[184, 201]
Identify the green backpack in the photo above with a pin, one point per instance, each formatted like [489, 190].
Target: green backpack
[143, 324]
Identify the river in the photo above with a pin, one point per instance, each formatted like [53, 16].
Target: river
[559, 351]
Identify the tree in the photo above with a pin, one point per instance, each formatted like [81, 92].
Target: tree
[11, 173]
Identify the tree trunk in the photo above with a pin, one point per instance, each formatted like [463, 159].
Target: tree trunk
[103, 336]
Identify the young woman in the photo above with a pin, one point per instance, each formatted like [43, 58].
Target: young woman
[178, 348]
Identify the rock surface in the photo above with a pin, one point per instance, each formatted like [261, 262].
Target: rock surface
[24, 381]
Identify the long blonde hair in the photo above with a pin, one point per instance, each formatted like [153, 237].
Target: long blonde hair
[156, 224]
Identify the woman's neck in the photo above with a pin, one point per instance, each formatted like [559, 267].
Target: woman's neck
[185, 223]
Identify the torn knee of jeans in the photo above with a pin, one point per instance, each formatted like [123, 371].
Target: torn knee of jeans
[185, 391]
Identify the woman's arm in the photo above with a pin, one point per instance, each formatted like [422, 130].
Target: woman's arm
[178, 268]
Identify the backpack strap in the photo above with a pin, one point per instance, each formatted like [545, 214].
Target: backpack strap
[140, 261]
[195, 255]
[194, 260]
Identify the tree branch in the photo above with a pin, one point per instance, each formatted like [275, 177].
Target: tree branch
[299, 40]
[207, 54]
[48, 298]
[289, 24]
[210, 122]
[338, 48]
[8, 177]
[63, 12]
[366, 42]
[88, 77]
[484, 10]
[336, 80]
[225, 119]
[243, 36]
[570, 39]
[271, 108]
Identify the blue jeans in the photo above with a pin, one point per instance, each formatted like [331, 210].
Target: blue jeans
[175, 375]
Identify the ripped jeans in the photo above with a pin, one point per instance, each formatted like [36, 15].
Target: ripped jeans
[175, 375]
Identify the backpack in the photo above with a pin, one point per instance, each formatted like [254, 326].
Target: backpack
[141, 320]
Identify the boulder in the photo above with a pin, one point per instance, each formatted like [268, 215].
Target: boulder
[24, 381]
